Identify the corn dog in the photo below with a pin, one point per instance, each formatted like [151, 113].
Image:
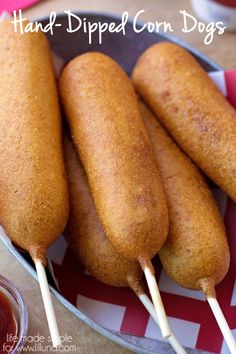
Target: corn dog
[116, 153]
[196, 251]
[191, 107]
[33, 186]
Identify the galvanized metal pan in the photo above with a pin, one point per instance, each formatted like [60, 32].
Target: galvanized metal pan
[125, 50]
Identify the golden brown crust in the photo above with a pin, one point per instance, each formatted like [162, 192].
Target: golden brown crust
[136, 283]
[85, 233]
[116, 153]
[192, 108]
[208, 287]
[33, 187]
[196, 247]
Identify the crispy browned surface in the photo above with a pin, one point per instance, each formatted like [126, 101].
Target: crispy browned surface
[192, 108]
[116, 153]
[85, 233]
[33, 187]
[196, 247]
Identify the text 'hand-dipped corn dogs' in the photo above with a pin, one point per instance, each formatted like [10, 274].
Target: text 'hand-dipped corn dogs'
[33, 187]
[192, 108]
[116, 153]
[196, 253]
[88, 241]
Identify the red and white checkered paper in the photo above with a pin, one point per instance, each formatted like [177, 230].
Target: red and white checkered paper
[119, 309]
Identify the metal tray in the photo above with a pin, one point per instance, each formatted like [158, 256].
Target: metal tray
[125, 50]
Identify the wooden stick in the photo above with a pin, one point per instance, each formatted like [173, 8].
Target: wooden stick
[47, 301]
[224, 327]
[208, 287]
[151, 310]
[148, 269]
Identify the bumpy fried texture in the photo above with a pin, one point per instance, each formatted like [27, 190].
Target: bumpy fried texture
[115, 150]
[33, 186]
[196, 249]
[85, 233]
[192, 108]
